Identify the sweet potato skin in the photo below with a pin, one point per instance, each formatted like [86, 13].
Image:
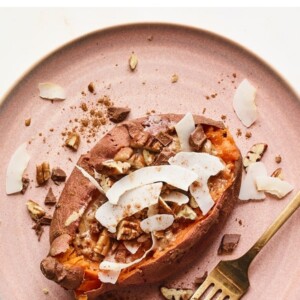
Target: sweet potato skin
[78, 193]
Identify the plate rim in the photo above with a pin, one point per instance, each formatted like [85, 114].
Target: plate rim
[217, 36]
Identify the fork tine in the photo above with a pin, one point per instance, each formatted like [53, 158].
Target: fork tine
[211, 293]
[203, 287]
[221, 296]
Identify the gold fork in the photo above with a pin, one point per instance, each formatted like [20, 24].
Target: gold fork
[229, 279]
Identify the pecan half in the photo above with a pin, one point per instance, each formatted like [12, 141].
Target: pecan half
[103, 244]
[43, 173]
[128, 230]
[176, 294]
[73, 141]
[35, 210]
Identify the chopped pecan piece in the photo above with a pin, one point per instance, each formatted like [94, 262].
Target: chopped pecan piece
[38, 230]
[58, 175]
[123, 154]
[117, 114]
[28, 122]
[163, 157]
[176, 294]
[278, 173]
[112, 167]
[197, 138]
[255, 154]
[186, 212]
[228, 243]
[50, 198]
[35, 210]
[278, 159]
[45, 220]
[43, 173]
[164, 138]
[148, 157]
[133, 61]
[174, 78]
[138, 136]
[128, 230]
[73, 141]
[121, 253]
[105, 182]
[137, 161]
[25, 182]
[103, 244]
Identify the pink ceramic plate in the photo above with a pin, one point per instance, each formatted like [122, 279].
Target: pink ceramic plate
[208, 66]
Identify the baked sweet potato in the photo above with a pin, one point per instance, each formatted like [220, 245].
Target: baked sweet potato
[79, 242]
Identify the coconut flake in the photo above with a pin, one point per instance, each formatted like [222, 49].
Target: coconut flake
[184, 128]
[110, 270]
[15, 170]
[205, 165]
[273, 185]
[244, 103]
[131, 202]
[248, 189]
[176, 197]
[51, 91]
[157, 222]
[91, 179]
[132, 246]
[75, 216]
[173, 175]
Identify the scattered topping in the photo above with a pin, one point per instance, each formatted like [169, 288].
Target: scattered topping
[174, 78]
[248, 189]
[73, 141]
[273, 185]
[148, 157]
[84, 106]
[176, 294]
[58, 175]
[90, 178]
[184, 128]
[238, 132]
[130, 202]
[51, 91]
[15, 170]
[255, 154]
[25, 182]
[43, 173]
[138, 137]
[174, 175]
[28, 122]
[157, 222]
[117, 114]
[244, 103]
[35, 210]
[131, 246]
[46, 220]
[176, 197]
[163, 157]
[197, 138]
[164, 138]
[123, 154]
[137, 161]
[91, 87]
[128, 230]
[110, 271]
[150, 38]
[103, 244]
[50, 198]
[278, 159]
[75, 216]
[205, 165]
[187, 213]
[112, 167]
[228, 243]
[199, 280]
[45, 291]
[248, 134]
[133, 61]
[278, 173]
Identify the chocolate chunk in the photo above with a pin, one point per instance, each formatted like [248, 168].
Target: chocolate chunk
[45, 220]
[153, 144]
[117, 114]
[229, 243]
[197, 138]
[50, 198]
[163, 157]
[58, 175]
[138, 136]
[164, 138]
[25, 182]
[199, 280]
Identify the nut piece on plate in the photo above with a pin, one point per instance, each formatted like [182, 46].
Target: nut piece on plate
[133, 61]
[58, 175]
[278, 173]
[174, 78]
[128, 230]
[123, 154]
[187, 213]
[176, 294]
[117, 114]
[28, 122]
[35, 210]
[73, 141]
[197, 138]
[112, 167]
[43, 173]
[25, 182]
[50, 198]
[228, 243]
[103, 244]
[278, 159]
[255, 154]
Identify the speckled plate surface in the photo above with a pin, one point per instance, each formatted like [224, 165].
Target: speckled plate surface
[209, 69]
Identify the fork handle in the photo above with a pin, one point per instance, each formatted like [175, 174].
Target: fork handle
[274, 227]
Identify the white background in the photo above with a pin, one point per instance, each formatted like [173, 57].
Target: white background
[27, 34]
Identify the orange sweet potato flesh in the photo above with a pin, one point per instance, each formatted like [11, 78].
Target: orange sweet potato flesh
[79, 192]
